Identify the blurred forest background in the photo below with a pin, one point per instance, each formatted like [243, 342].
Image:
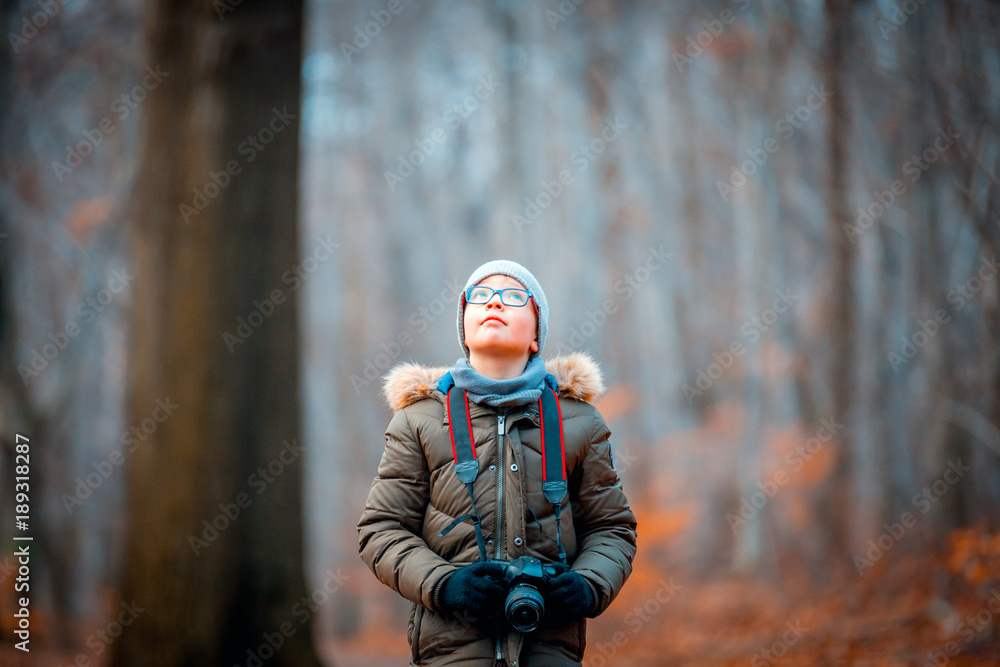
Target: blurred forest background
[775, 226]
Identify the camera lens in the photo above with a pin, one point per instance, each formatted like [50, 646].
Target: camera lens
[524, 607]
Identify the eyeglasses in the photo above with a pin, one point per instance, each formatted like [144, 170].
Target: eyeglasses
[509, 296]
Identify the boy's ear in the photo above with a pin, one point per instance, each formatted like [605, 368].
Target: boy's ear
[534, 346]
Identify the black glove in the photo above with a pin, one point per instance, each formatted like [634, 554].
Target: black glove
[475, 588]
[569, 595]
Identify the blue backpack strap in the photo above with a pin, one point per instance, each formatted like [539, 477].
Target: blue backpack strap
[460, 427]
[466, 462]
[554, 484]
[553, 448]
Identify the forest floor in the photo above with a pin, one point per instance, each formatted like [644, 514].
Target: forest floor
[917, 612]
[898, 618]
[914, 612]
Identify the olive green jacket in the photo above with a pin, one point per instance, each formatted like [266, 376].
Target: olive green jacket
[417, 493]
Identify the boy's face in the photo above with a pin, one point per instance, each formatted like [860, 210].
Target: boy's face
[495, 328]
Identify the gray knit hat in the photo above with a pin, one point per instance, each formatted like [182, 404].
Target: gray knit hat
[518, 273]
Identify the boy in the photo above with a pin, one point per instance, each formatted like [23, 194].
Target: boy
[415, 533]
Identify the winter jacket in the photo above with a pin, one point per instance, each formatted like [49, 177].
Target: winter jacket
[417, 493]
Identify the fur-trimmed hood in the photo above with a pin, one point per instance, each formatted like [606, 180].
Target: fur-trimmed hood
[577, 375]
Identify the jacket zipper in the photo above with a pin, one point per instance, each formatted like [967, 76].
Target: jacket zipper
[500, 432]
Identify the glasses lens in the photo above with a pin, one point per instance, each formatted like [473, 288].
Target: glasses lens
[478, 294]
[515, 297]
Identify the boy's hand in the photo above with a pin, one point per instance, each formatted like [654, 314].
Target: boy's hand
[475, 588]
[569, 595]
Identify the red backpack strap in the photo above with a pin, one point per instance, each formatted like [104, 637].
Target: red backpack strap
[466, 464]
[554, 484]
[462, 446]
[553, 450]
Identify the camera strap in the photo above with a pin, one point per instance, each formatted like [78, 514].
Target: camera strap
[554, 484]
[466, 463]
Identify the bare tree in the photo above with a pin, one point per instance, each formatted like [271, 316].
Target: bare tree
[214, 556]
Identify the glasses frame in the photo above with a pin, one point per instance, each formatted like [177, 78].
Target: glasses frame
[468, 292]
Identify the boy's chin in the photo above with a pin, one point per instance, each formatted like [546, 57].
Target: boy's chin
[499, 350]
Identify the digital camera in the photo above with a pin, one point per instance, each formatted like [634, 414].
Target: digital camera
[525, 578]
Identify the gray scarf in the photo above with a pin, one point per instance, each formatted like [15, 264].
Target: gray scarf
[525, 388]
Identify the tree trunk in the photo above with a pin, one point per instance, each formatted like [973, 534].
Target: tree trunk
[835, 505]
[214, 567]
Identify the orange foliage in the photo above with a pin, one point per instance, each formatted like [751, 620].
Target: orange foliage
[816, 469]
[776, 360]
[617, 402]
[87, 215]
[780, 443]
[800, 454]
[724, 417]
[665, 525]
[974, 554]
[721, 619]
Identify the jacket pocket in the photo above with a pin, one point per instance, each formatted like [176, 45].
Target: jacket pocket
[413, 631]
[566, 639]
